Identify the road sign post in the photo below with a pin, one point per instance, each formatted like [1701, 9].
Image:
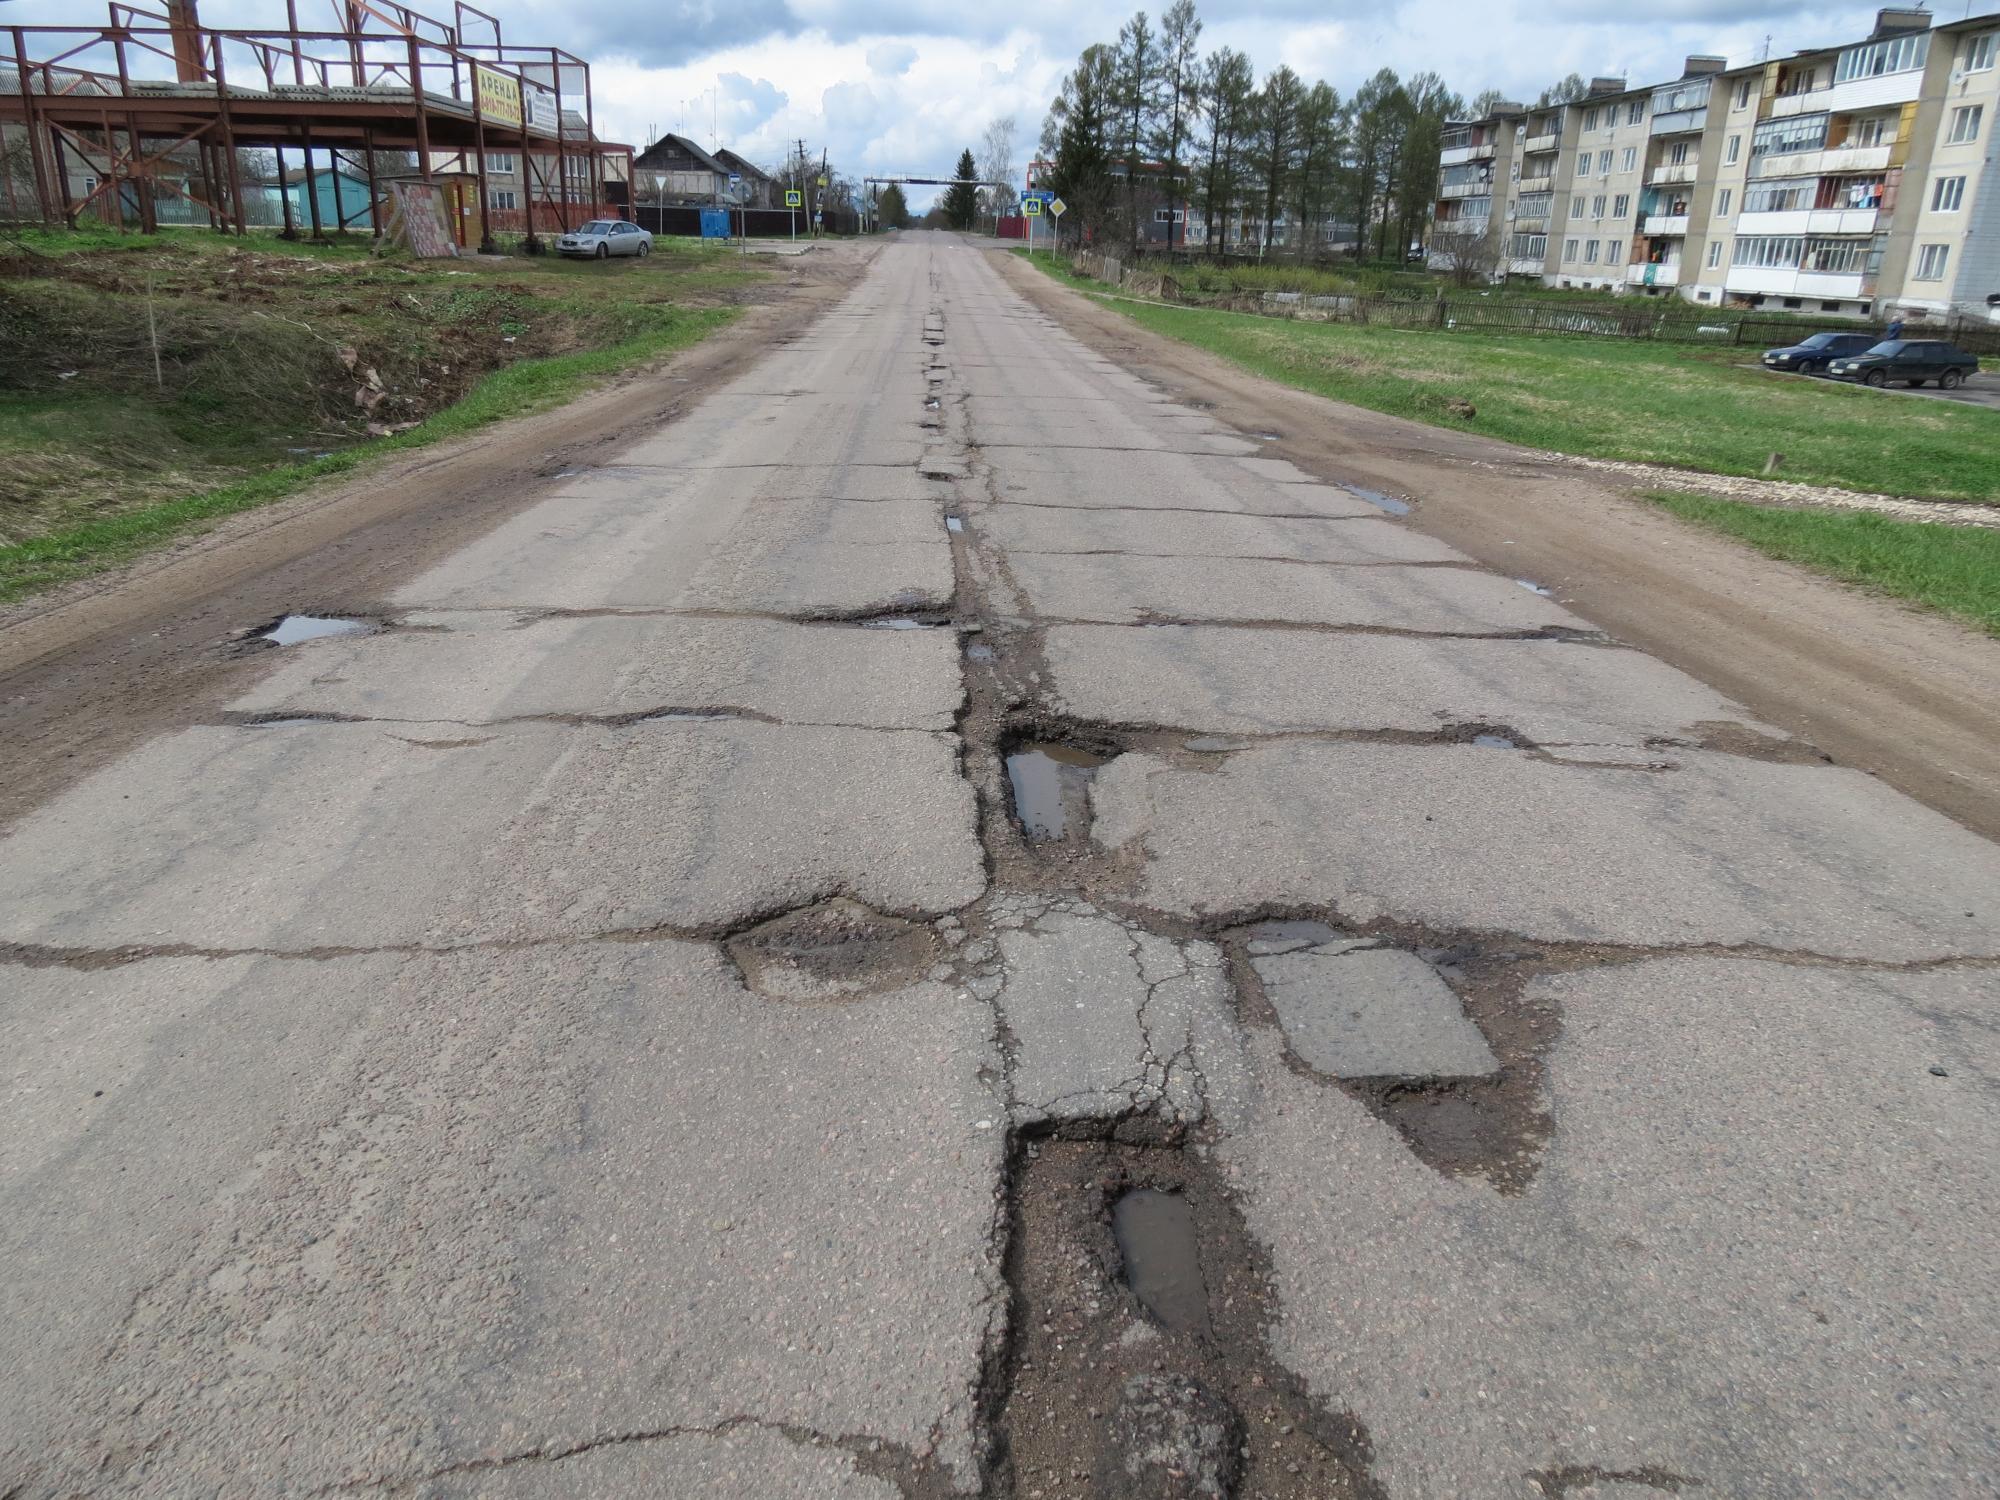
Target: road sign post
[793, 198]
[1056, 207]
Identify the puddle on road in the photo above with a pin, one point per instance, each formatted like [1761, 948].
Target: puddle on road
[1494, 742]
[1216, 744]
[292, 629]
[1379, 500]
[1161, 1254]
[294, 722]
[953, 523]
[1535, 588]
[900, 622]
[1051, 785]
[980, 652]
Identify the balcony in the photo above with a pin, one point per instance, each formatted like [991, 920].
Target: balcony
[1680, 122]
[1465, 190]
[1663, 224]
[1809, 221]
[1823, 162]
[1648, 274]
[1788, 281]
[1534, 223]
[1668, 171]
[1808, 102]
[1551, 142]
[1545, 184]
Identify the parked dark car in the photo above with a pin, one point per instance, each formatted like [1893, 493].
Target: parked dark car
[1911, 361]
[1819, 351]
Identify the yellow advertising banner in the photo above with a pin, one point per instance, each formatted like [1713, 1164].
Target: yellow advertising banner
[499, 96]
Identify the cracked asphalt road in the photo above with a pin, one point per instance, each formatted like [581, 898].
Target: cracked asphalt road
[385, 1112]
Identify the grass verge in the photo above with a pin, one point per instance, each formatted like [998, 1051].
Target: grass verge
[516, 390]
[1955, 569]
[1709, 410]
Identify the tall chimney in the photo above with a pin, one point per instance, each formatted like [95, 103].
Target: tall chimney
[185, 25]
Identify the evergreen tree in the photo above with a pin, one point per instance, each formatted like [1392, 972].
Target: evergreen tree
[1076, 138]
[1226, 89]
[1180, 92]
[1138, 98]
[961, 199]
[892, 210]
[1274, 144]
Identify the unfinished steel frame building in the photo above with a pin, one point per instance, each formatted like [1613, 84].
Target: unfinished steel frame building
[152, 89]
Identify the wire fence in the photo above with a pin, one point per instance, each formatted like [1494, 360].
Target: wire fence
[1673, 322]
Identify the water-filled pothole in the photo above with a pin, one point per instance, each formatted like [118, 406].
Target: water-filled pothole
[953, 523]
[1379, 500]
[837, 950]
[1535, 588]
[289, 630]
[979, 651]
[1051, 786]
[1494, 742]
[1106, 1400]
[901, 622]
[1161, 1255]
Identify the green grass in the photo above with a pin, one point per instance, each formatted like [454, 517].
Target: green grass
[1955, 569]
[1690, 407]
[531, 385]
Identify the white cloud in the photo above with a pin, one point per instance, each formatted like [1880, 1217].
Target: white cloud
[899, 86]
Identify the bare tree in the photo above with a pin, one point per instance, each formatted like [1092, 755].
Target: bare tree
[996, 164]
[1467, 256]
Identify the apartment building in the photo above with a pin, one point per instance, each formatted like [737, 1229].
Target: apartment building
[1858, 179]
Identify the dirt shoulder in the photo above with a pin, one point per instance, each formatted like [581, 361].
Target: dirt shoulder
[91, 668]
[1908, 696]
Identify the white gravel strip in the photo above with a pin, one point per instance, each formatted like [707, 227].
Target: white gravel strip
[1786, 492]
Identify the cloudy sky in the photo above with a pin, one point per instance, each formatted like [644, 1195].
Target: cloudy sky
[899, 86]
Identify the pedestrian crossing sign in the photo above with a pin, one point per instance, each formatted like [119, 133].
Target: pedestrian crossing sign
[1032, 207]
[793, 197]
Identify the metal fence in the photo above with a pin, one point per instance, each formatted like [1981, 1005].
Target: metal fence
[1677, 322]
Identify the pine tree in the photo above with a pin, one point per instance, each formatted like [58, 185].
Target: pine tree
[961, 199]
[892, 211]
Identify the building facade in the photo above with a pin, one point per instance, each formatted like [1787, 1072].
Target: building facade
[1857, 180]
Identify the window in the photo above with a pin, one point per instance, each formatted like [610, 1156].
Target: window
[1946, 195]
[1965, 124]
[1590, 252]
[1793, 304]
[1735, 150]
[1829, 307]
[1977, 54]
[1835, 257]
[1621, 205]
[1782, 137]
[1604, 157]
[1630, 159]
[1611, 251]
[1742, 100]
[1576, 206]
[501, 161]
[1635, 111]
[1769, 252]
[1873, 131]
[502, 198]
[1590, 119]
[1931, 261]
[1597, 207]
[1779, 195]
[1723, 200]
[1714, 254]
[1569, 249]
[1530, 247]
[1898, 54]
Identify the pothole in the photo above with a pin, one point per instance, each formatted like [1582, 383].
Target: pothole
[1138, 1369]
[1379, 500]
[1050, 781]
[1440, 1043]
[837, 950]
[953, 523]
[1494, 742]
[290, 630]
[1535, 588]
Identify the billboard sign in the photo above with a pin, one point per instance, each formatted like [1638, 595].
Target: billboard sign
[499, 97]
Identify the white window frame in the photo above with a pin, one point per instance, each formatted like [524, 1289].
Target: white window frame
[1932, 261]
[1604, 160]
[1735, 150]
[1977, 54]
[505, 199]
[1724, 201]
[1947, 195]
[1570, 249]
[1742, 94]
[1629, 160]
[1590, 252]
[1714, 254]
[1577, 203]
[1965, 123]
[1621, 205]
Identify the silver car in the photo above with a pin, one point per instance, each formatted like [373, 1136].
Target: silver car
[603, 238]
